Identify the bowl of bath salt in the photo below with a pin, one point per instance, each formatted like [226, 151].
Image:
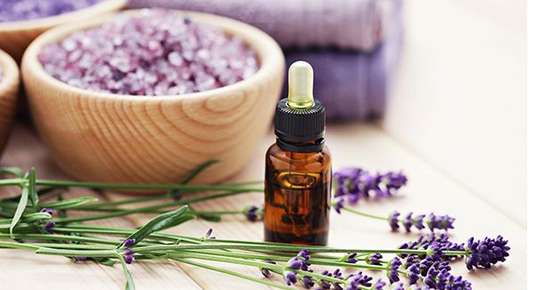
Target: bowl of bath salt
[21, 21]
[9, 87]
[147, 95]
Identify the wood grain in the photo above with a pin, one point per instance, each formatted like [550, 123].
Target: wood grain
[154, 139]
[16, 36]
[9, 88]
[357, 145]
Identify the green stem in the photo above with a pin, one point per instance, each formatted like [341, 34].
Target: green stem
[360, 213]
[130, 186]
[233, 273]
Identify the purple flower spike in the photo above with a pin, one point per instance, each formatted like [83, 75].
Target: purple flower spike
[393, 273]
[355, 183]
[253, 213]
[351, 258]
[129, 243]
[374, 259]
[413, 273]
[129, 259]
[304, 254]
[487, 252]
[379, 285]
[290, 278]
[443, 222]
[128, 256]
[49, 226]
[394, 221]
[339, 204]
[48, 210]
[308, 282]
[295, 263]
[395, 180]
[433, 222]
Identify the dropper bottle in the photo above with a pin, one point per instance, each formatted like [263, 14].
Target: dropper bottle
[298, 166]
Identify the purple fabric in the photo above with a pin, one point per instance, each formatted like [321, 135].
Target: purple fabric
[345, 24]
[352, 86]
[355, 86]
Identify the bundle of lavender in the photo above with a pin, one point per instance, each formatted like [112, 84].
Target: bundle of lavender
[49, 228]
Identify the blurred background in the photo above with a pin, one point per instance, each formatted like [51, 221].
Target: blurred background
[444, 78]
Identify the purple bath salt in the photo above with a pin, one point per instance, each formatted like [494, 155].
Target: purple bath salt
[156, 53]
[16, 10]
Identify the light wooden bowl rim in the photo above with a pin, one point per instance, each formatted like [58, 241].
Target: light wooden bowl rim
[269, 55]
[10, 73]
[51, 21]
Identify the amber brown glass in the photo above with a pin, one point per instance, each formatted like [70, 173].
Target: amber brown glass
[297, 195]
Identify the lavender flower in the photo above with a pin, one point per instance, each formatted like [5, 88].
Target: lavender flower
[487, 252]
[290, 278]
[295, 263]
[433, 222]
[356, 183]
[253, 213]
[49, 226]
[393, 271]
[374, 259]
[308, 282]
[304, 254]
[440, 222]
[413, 273]
[128, 256]
[208, 235]
[48, 210]
[351, 258]
[394, 221]
[338, 204]
[397, 286]
[129, 243]
[379, 285]
[266, 273]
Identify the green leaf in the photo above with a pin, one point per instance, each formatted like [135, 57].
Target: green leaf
[71, 203]
[20, 209]
[210, 217]
[129, 281]
[105, 261]
[31, 176]
[161, 222]
[17, 172]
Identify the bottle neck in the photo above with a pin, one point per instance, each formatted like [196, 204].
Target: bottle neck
[316, 145]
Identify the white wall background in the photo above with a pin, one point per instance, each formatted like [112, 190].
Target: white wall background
[459, 98]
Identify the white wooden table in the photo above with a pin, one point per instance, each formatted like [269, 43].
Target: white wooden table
[359, 145]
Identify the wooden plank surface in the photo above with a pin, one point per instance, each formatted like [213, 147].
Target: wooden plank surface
[459, 96]
[360, 145]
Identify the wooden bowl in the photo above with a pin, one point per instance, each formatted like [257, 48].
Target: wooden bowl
[120, 138]
[15, 36]
[9, 87]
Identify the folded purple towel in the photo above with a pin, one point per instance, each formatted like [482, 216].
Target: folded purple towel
[354, 86]
[349, 24]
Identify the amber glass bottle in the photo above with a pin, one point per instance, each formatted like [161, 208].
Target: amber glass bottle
[298, 167]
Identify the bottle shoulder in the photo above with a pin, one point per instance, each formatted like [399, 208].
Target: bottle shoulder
[280, 157]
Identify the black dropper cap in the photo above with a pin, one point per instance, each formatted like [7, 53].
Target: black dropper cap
[300, 120]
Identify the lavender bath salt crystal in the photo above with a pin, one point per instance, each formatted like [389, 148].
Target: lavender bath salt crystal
[156, 53]
[17, 10]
